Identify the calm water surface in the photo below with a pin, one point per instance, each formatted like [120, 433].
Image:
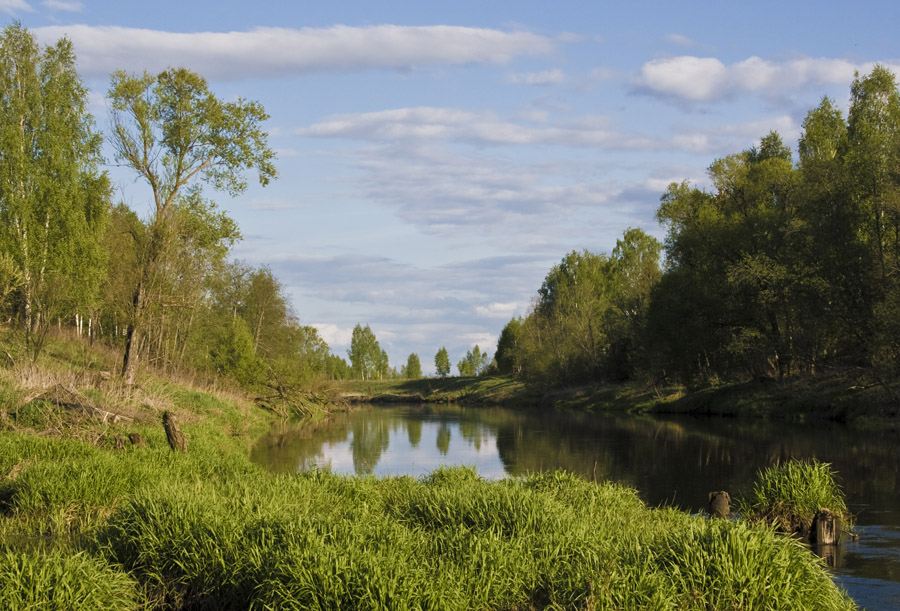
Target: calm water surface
[674, 461]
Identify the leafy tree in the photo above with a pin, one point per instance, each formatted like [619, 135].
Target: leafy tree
[172, 132]
[509, 348]
[234, 355]
[635, 264]
[873, 133]
[566, 337]
[474, 362]
[337, 368]
[54, 202]
[383, 367]
[365, 354]
[442, 362]
[413, 367]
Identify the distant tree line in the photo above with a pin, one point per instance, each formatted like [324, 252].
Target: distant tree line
[783, 267]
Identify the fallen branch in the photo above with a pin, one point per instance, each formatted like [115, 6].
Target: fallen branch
[72, 400]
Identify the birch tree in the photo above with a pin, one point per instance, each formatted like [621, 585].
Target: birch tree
[173, 132]
[54, 201]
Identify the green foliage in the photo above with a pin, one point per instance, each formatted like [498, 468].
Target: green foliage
[788, 495]
[173, 132]
[61, 580]
[442, 362]
[508, 355]
[473, 363]
[54, 201]
[589, 323]
[235, 356]
[367, 358]
[413, 368]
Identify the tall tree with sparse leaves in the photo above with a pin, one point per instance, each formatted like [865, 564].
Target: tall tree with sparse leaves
[172, 131]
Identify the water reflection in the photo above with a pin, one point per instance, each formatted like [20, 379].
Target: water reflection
[673, 461]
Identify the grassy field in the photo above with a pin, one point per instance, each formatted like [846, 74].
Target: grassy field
[84, 525]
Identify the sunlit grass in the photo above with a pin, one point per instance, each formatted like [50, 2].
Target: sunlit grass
[86, 526]
[788, 495]
[61, 580]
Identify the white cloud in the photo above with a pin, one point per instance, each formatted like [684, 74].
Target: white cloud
[333, 334]
[706, 79]
[547, 77]
[264, 52]
[11, 7]
[448, 124]
[498, 310]
[686, 78]
[60, 5]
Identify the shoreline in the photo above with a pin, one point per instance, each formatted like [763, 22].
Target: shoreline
[834, 398]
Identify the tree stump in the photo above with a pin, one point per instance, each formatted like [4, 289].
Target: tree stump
[826, 528]
[719, 504]
[177, 440]
[137, 440]
[120, 442]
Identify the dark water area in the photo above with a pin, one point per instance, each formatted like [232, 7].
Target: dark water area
[670, 461]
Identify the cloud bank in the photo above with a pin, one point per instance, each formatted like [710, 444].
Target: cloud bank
[706, 79]
[273, 52]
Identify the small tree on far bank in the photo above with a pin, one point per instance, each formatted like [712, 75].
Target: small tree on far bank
[474, 362]
[413, 368]
[442, 362]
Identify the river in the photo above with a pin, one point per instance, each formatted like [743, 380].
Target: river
[674, 461]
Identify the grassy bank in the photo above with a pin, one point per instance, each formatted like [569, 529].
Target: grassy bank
[470, 390]
[841, 398]
[84, 525]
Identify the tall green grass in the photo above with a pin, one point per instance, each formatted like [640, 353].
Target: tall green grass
[84, 526]
[789, 494]
[449, 541]
[64, 581]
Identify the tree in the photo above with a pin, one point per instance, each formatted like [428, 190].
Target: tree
[442, 362]
[54, 202]
[474, 362]
[508, 354]
[173, 132]
[366, 357]
[234, 355]
[873, 132]
[413, 367]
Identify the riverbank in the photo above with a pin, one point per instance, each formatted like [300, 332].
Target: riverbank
[96, 511]
[839, 398]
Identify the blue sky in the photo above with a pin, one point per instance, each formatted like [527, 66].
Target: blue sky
[436, 159]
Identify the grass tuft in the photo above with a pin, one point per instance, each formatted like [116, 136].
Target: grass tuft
[788, 495]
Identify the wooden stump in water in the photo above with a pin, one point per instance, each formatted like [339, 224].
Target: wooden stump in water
[177, 440]
[826, 528]
[719, 504]
[137, 440]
